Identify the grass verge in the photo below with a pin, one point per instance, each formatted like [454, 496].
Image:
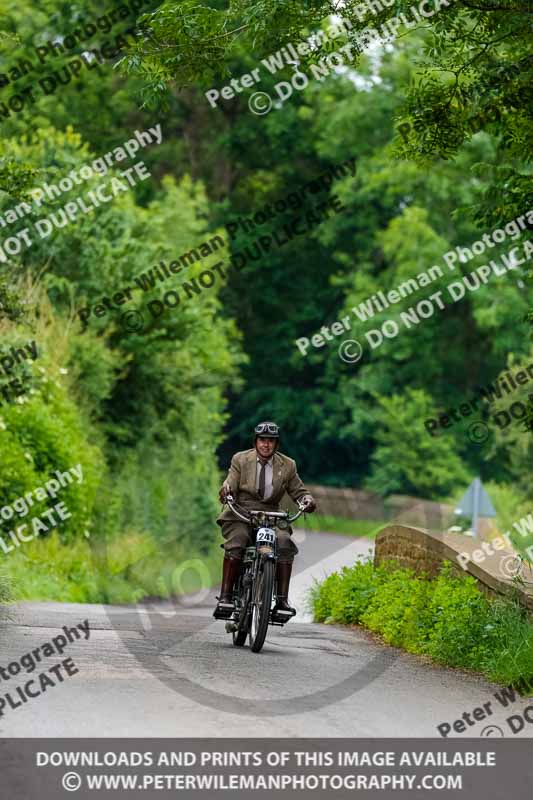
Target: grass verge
[346, 527]
[447, 618]
[4, 588]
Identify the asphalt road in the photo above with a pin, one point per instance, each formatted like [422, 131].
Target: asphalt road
[169, 669]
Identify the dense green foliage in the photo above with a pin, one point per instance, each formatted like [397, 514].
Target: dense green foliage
[447, 618]
[141, 415]
[472, 73]
[147, 413]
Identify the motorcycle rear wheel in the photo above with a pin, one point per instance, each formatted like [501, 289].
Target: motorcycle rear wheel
[261, 606]
[240, 635]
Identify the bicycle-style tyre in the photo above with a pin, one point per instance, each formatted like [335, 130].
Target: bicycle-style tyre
[241, 634]
[239, 637]
[262, 601]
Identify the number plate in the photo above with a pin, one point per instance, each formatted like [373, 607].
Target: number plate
[265, 536]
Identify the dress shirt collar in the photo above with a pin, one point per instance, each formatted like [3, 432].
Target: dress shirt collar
[268, 463]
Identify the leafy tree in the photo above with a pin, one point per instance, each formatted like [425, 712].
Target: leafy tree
[406, 459]
[473, 72]
[153, 394]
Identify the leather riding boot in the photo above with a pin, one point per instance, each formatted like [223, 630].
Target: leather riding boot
[230, 573]
[283, 577]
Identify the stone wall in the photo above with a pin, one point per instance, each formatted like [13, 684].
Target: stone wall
[349, 503]
[358, 504]
[426, 551]
[406, 510]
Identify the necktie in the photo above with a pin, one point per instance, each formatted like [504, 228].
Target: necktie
[261, 490]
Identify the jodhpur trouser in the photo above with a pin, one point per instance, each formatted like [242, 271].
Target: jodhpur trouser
[237, 538]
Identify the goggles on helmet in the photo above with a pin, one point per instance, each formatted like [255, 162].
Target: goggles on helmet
[268, 428]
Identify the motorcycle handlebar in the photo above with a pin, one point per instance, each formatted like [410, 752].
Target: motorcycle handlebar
[283, 515]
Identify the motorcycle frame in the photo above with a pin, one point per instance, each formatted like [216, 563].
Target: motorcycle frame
[251, 567]
[257, 560]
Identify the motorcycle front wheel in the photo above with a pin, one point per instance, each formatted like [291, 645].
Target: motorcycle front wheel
[262, 601]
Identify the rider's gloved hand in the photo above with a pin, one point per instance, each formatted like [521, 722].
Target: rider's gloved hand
[308, 504]
[224, 492]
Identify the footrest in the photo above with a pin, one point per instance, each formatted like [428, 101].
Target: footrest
[280, 617]
[223, 611]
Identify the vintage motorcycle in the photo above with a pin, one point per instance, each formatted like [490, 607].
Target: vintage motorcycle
[256, 584]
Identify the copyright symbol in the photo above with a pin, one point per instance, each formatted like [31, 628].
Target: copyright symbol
[260, 103]
[132, 321]
[478, 432]
[510, 566]
[71, 781]
[492, 730]
[350, 353]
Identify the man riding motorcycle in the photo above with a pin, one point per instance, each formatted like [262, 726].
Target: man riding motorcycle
[258, 479]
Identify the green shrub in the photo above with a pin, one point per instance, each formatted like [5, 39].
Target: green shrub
[124, 569]
[397, 608]
[323, 595]
[343, 597]
[460, 624]
[355, 591]
[509, 659]
[143, 413]
[44, 431]
[448, 618]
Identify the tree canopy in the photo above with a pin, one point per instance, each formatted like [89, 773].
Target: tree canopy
[436, 121]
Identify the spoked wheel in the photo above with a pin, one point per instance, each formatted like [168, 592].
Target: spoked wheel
[243, 624]
[262, 601]
[239, 636]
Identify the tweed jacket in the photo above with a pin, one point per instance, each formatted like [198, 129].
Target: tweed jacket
[241, 479]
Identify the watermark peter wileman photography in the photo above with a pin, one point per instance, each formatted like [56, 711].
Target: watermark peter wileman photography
[506, 697]
[85, 203]
[486, 394]
[16, 697]
[298, 226]
[510, 565]
[17, 355]
[60, 45]
[89, 58]
[15, 388]
[160, 273]
[23, 504]
[290, 55]
[425, 308]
